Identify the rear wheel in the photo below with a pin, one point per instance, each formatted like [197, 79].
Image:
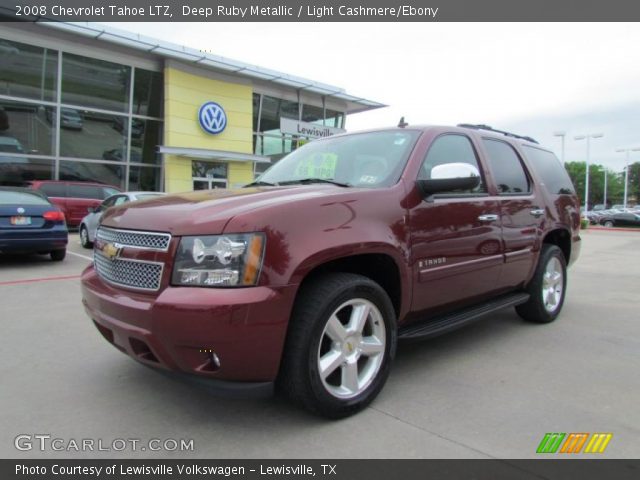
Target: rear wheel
[547, 287]
[84, 237]
[340, 345]
[58, 255]
[608, 224]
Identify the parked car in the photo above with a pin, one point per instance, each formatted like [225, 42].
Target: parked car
[308, 276]
[10, 145]
[90, 222]
[70, 118]
[29, 223]
[73, 198]
[621, 220]
[119, 155]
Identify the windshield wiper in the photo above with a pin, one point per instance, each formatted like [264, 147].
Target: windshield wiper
[260, 183]
[306, 181]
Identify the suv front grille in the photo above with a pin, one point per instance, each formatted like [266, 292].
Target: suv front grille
[134, 239]
[129, 273]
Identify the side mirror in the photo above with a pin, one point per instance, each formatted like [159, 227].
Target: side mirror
[450, 177]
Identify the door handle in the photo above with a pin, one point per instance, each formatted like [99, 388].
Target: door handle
[537, 212]
[488, 217]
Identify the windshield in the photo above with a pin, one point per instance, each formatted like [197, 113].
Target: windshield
[374, 159]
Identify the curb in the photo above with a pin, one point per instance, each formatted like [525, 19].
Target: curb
[612, 229]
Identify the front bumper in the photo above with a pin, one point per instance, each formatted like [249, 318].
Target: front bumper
[180, 328]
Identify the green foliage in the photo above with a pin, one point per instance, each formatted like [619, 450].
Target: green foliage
[615, 182]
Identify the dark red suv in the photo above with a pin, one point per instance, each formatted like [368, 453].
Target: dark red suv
[308, 277]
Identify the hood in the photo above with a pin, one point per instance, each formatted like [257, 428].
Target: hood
[207, 211]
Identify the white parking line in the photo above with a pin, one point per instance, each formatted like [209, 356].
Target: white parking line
[80, 255]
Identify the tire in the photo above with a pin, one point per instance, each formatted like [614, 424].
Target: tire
[84, 237]
[608, 224]
[58, 255]
[547, 290]
[324, 330]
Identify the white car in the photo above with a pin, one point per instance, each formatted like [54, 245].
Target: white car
[90, 222]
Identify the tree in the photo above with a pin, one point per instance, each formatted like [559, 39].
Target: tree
[634, 183]
[615, 183]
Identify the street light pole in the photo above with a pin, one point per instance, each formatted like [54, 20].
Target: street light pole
[561, 135]
[605, 187]
[626, 170]
[588, 137]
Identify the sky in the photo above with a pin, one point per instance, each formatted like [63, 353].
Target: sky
[530, 78]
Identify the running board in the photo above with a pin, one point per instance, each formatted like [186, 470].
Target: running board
[452, 321]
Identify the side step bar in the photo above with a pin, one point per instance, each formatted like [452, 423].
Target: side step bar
[433, 327]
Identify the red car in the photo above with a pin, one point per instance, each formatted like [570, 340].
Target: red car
[309, 276]
[74, 198]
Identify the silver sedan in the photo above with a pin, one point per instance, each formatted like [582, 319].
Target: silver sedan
[89, 223]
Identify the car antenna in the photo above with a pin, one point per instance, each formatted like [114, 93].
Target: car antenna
[402, 123]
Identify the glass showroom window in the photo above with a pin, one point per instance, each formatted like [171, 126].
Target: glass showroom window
[147, 93]
[95, 83]
[27, 128]
[18, 170]
[145, 137]
[28, 71]
[207, 175]
[107, 173]
[144, 178]
[312, 114]
[334, 118]
[100, 136]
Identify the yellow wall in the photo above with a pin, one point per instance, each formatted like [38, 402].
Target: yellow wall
[184, 94]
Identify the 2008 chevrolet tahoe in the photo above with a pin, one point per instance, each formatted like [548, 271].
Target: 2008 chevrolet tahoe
[308, 277]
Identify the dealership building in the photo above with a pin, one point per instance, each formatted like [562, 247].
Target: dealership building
[85, 102]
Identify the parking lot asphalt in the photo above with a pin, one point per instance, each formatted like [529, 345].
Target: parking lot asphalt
[491, 390]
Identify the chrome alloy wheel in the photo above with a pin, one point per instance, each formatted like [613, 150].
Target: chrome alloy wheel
[352, 348]
[552, 285]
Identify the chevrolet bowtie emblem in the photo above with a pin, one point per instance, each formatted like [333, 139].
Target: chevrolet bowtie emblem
[111, 251]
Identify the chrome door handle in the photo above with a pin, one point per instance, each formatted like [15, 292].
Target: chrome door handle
[538, 212]
[488, 218]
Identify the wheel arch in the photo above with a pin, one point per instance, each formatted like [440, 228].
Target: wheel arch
[560, 237]
[380, 266]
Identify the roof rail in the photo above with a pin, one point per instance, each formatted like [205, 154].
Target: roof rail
[487, 127]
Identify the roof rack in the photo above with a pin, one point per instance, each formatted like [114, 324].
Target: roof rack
[487, 127]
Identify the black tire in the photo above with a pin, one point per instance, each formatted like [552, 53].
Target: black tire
[535, 310]
[608, 224]
[317, 301]
[84, 237]
[58, 255]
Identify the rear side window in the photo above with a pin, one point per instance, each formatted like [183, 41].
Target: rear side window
[450, 148]
[550, 170]
[506, 168]
[21, 198]
[54, 189]
[85, 191]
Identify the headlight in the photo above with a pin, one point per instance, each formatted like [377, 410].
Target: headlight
[219, 260]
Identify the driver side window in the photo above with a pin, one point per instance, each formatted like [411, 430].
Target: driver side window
[451, 148]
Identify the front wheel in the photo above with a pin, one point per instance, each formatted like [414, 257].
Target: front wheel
[84, 237]
[608, 224]
[547, 287]
[341, 341]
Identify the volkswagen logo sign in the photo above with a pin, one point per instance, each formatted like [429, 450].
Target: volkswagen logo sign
[212, 118]
[20, 210]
